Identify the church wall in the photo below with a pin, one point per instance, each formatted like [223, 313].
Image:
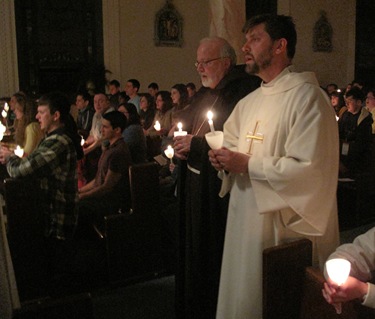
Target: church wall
[330, 67]
[136, 56]
[141, 59]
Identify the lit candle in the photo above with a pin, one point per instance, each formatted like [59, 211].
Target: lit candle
[6, 107]
[2, 131]
[82, 141]
[338, 269]
[210, 115]
[4, 114]
[180, 132]
[157, 126]
[18, 151]
[169, 152]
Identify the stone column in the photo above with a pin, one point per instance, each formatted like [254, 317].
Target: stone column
[111, 38]
[9, 82]
[227, 19]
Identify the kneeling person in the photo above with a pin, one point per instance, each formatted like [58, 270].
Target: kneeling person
[109, 190]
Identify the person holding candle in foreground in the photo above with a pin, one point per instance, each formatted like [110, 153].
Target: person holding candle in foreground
[280, 162]
[202, 212]
[53, 165]
[361, 255]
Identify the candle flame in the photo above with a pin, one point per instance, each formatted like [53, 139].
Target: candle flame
[19, 151]
[210, 115]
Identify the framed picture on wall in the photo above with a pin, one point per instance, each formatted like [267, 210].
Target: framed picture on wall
[168, 27]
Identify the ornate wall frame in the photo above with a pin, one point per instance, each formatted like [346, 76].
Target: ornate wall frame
[322, 38]
[168, 27]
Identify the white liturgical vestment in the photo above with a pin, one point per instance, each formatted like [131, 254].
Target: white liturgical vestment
[288, 129]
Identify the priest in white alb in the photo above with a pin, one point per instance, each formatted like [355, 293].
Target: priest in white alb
[280, 164]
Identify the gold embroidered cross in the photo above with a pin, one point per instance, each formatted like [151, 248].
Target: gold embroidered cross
[254, 136]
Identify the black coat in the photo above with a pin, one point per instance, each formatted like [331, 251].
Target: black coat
[202, 212]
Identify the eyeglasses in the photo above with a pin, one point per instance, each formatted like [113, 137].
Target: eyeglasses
[206, 63]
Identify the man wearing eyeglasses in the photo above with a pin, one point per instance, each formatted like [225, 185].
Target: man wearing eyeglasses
[203, 213]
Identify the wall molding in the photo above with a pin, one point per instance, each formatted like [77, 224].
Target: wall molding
[9, 82]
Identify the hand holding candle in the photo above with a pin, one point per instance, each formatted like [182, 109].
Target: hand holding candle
[338, 270]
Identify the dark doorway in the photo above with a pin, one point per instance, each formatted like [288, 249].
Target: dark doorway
[59, 44]
[365, 42]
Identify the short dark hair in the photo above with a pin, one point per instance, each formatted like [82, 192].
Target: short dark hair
[116, 118]
[191, 85]
[153, 85]
[278, 27]
[356, 93]
[135, 83]
[56, 101]
[85, 95]
[115, 83]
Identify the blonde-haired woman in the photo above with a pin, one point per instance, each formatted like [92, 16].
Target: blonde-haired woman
[28, 133]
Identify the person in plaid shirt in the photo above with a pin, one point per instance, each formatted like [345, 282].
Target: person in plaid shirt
[53, 164]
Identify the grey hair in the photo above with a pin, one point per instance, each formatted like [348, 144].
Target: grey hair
[226, 50]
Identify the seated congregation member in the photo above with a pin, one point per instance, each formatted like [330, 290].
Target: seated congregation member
[114, 93]
[370, 105]
[131, 89]
[53, 166]
[355, 131]
[85, 113]
[133, 133]
[153, 89]
[191, 90]
[181, 105]
[28, 133]
[163, 114]
[93, 143]
[17, 97]
[109, 191]
[338, 103]
[122, 98]
[361, 255]
[147, 113]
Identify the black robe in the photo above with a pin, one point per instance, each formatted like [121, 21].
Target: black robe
[202, 212]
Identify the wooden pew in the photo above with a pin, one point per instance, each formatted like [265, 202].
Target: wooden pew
[25, 236]
[78, 306]
[283, 275]
[133, 241]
